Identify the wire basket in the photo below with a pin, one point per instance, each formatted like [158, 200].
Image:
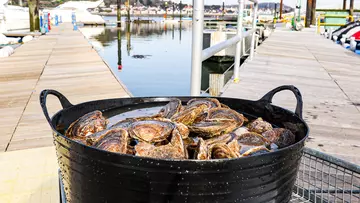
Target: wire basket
[321, 178]
[324, 178]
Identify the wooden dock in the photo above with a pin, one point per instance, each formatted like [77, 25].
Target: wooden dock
[328, 77]
[62, 60]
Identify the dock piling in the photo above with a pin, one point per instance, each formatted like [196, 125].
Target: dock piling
[197, 47]
[308, 13]
[238, 44]
[34, 15]
[313, 12]
[118, 14]
[351, 11]
[252, 47]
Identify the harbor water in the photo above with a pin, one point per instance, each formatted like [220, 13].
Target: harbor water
[151, 59]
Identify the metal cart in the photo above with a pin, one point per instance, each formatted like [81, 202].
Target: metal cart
[321, 178]
[324, 178]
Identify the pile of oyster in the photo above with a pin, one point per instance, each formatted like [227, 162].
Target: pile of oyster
[203, 129]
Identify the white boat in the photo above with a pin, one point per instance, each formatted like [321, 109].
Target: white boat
[80, 8]
[13, 18]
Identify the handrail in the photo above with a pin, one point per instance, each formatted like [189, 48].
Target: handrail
[199, 55]
[210, 51]
[319, 24]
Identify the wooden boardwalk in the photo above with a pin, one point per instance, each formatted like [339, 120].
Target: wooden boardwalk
[62, 60]
[328, 77]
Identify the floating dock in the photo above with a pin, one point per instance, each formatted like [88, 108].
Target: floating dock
[328, 78]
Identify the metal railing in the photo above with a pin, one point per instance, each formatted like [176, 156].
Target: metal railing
[322, 16]
[199, 55]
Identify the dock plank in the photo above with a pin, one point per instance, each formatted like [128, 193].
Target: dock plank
[326, 74]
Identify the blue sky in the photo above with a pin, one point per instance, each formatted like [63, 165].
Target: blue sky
[320, 3]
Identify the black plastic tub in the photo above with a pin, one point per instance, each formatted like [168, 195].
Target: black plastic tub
[93, 175]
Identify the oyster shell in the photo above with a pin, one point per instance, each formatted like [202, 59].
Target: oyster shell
[201, 151]
[259, 126]
[174, 150]
[280, 136]
[224, 106]
[224, 113]
[250, 140]
[217, 148]
[223, 151]
[88, 124]
[151, 131]
[213, 127]
[189, 115]
[125, 124]
[239, 131]
[209, 102]
[256, 151]
[226, 138]
[253, 139]
[113, 140]
[183, 130]
[170, 109]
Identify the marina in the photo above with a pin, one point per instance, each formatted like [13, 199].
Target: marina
[157, 57]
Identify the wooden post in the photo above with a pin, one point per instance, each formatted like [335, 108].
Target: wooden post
[128, 37]
[351, 12]
[119, 49]
[180, 8]
[281, 7]
[118, 2]
[128, 10]
[344, 4]
[216, 83]
[308, 13]
[34, 15]
[313, 12]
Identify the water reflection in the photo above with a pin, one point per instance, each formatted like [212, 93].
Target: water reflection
[119, 49]
[156, 63]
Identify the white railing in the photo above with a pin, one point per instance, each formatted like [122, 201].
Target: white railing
[199, 55]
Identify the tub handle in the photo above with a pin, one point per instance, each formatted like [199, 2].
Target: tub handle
[299, 105]
[63, 100]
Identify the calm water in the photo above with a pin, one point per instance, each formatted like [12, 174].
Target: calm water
[150, 59]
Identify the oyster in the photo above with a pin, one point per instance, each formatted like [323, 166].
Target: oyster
[113, 140]
[88, 124]
[213, 127]
[256, 151]
[224, 113]
[201, 151]
[223, 151]
[125, 124]
[259, 126]
[218, 149]
[174, 150]
[251, 140]
[151, 131]
[173, 107]
[183, 130]
[209, 102]
[189, 115]
[280, 136]
[224, 106]
[220, 139]
[239, 131]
